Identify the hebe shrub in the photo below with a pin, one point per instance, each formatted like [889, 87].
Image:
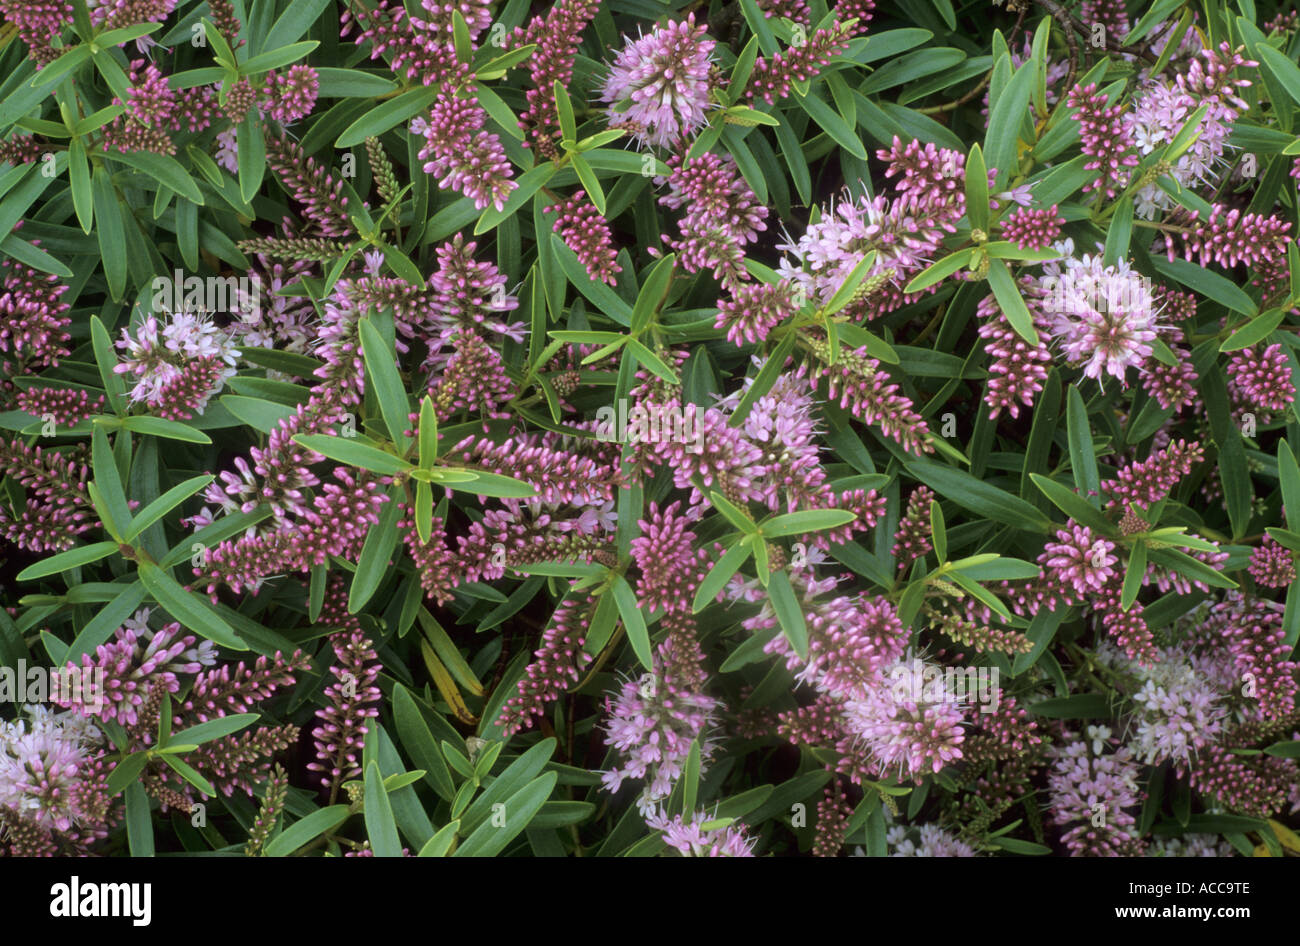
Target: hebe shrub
[614, 427]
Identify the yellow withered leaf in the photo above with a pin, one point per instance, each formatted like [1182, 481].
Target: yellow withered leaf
[1289, 839]
[446, 685]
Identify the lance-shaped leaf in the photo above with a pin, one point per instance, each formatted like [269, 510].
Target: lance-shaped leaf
[381, 369]
[194, 612]
[803, 521]
[789, 612]
[346, 450]
[1010, 301]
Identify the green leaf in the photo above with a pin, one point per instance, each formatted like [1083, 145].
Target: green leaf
[767, 376]
[839, 130]
[917, 65]
[1042, 630]
[1119, 231]
[486, 484]
[169, 429]
[651, 361]
[276, 58]
[56, 70]
[189, 774]
[64, 561]
[938, 532]
[139, 822]
[423, 511]
[605, 299]
[165, 504]
[633, 621]
[420, 744]
[381, 370]
[564, 110]
[1234, 474]
[390, 114]
[1282, 68]
[1207, 283]
[193, 612]
[758, 24]
[1005, 117]
[163, 168]
[1284, 750]
[977, 191]
[529, 183]
[720, 574]
[807, 520]
[788, 612]
[440, 843]
[1001, 249]
[733, 513]
[1135, 572]
[1017, 846]
[381, 829]
[252, 156]
[844, 294]
[691, 779]
[1079, 706]
[489, 839]
[653, 293]
[1254, 331]
[1083, 456]
[306, 830]
[1289, 478]
[497, 66]
[590, 183]
[256, 412]
[83, 199]
[978, 496]
[1186, 137]
[346, 450]
[1159, 11]
[125, 772]
[214, 729]
[109, 231]
[31, 255]
[296, 20]
[1072, 504]
[941, 270]
[1191, 568]
[352, 83]
[376, 553]
[106, 487]
[1010, 301]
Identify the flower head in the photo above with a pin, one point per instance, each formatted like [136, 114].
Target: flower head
[658, 84]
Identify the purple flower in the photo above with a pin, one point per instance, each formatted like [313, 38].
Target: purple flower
[1080, 559]
[907, 726]
[586, 232]
[702, 836]
[931, 841]
[653, 721]
[1271, 565]
[1260, 379]
[1104, 316]
[1091, 792]
[467, 158]
[658, 85]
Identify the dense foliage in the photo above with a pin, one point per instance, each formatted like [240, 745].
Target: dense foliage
[633, 427]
